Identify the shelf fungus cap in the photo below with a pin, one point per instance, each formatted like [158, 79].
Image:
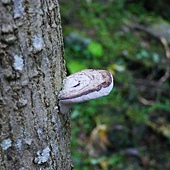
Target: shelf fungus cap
[83, 86]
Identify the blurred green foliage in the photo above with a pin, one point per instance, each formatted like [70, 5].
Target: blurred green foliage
[137, 112]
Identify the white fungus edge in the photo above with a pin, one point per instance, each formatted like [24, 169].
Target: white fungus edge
[66, 104]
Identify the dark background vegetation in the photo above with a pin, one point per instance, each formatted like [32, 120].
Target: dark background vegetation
[130, 128]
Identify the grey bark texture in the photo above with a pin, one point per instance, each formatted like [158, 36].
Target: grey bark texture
[33, 133]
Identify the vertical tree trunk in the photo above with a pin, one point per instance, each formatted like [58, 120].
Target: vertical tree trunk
[33, 133]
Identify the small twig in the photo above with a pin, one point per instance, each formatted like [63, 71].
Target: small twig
[148, 83]
[167, 54]
[142, 28]
[145, 101]
[145, 85]
[164, 42]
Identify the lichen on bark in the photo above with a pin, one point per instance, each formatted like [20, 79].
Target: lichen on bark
[33, 134]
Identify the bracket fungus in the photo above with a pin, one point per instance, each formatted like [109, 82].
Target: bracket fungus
[83, 86]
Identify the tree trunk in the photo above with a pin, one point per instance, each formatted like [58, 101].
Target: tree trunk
[33, 133]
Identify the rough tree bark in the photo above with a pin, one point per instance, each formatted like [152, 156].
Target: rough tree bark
[33, 133]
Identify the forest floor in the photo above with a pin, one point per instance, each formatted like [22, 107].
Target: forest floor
[130, 128]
